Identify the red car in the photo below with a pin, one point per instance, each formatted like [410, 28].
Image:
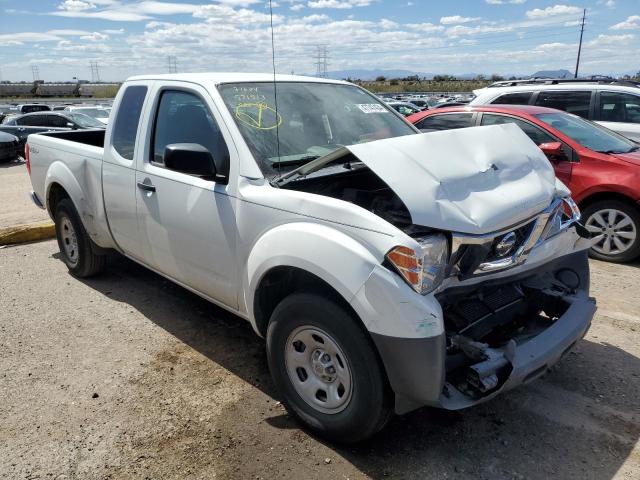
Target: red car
[600, 167]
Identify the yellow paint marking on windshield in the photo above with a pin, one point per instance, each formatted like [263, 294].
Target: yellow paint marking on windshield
[258, 115]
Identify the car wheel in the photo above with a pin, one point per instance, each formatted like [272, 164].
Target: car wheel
[327, 369]
[615, 226]
[75, 245]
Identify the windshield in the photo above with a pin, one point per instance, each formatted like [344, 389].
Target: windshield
[313, 119]
[85, 121]
[588, 134]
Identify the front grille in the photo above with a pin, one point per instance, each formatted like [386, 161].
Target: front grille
[466, 314]
[487, 253]
[522, 234]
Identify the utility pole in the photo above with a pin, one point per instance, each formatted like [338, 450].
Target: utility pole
[95, 73]
[584, 14]
[173, 64]
[321, 61]
[35, 71]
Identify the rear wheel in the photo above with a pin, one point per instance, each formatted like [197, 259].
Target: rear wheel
[615, 226]
[327, 369]
[76, 247]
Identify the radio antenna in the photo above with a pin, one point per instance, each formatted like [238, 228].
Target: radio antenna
[275, 87]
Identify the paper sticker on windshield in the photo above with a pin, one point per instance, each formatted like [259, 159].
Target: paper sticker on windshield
[372, 108]
[258, 115]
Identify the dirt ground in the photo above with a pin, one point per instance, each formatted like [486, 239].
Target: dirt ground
[16, 207]
[129, 376]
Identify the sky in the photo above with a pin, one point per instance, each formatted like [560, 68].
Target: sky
[128, 37]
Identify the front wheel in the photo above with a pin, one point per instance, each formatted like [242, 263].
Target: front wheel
[615, 226]
[327, 369]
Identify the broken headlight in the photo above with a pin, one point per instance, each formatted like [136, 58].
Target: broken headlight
[424, 269]
[562, 217]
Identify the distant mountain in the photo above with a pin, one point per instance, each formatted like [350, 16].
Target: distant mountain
[373, 74]
[562, 73]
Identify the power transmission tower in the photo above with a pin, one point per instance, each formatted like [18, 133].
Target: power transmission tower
[321, 63]
[584, 14]
[95, 73]
[173, 64]
[35, 71]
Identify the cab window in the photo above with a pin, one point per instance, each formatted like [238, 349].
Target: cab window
[125, 128]
[183, 117]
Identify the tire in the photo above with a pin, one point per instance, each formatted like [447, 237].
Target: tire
[365, 404]
[626, 217]
[76, 248]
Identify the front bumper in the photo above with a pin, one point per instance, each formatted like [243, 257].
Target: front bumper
[417, 367]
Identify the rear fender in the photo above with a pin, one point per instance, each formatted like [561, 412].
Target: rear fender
[90, 209]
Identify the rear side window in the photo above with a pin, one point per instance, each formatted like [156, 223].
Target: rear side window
[571, 102]
[447, 121]
[31, 121]
[183, 117]
[536, 134]
[518, 98]
[125, 127]
[619, 107]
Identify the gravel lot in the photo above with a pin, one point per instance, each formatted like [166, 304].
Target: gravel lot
[130, 376]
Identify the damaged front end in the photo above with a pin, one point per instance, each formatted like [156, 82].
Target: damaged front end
[503, 333]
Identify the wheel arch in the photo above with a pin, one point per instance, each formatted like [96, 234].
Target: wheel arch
[280, 282]
[303, 255]
[594, 197]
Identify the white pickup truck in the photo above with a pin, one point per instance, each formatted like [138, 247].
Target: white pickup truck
[386, 269]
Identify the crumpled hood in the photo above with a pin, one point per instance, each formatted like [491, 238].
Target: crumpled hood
[471, 180]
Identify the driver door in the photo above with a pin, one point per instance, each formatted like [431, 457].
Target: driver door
[187, 223]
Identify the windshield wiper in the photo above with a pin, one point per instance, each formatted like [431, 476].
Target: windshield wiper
[296, 161]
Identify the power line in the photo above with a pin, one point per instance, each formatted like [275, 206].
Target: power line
[35, 71]
[173, 64]
[321, 61]
[584, 14]
[95, 73]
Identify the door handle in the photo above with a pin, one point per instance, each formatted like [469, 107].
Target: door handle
[147, 187]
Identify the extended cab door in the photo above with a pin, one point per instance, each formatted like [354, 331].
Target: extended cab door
[118, 169]
[187, 223]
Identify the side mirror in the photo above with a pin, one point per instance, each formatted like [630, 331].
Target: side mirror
[552, 149]
[189, 158]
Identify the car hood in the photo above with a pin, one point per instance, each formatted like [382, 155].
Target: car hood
[472, 180]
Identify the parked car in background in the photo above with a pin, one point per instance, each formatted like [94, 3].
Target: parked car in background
[404, 108]
[32, 107]
[9, 147]
[421, 103]
[612, 103]
[100, 114]
[600, 167]
[24, 125]
[386, 269]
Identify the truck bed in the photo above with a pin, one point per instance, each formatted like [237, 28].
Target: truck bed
[88, 137]
[72, 158]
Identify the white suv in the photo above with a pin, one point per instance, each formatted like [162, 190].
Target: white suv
[614, 104]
